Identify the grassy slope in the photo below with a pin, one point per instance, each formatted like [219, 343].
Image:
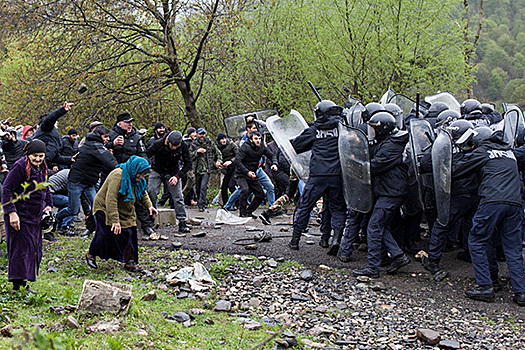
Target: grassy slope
[65, 286]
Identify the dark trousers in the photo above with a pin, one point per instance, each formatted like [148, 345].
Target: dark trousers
[249, 185]
[201, 189]
[326, 220]
[280, 180]
[353, 226]
[462, 206]
[227, 184]
[315, 188]
[507, 219]
[379, 233]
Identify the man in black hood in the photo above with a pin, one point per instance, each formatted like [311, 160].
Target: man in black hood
[500, 212]
[159, 130]
[325, 173]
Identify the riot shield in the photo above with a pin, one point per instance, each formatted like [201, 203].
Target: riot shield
[510, 126]
[285, 129]
[353, 115]
[421, 138]
[236, 124]
[355, 165]
[442, 169]
[447, 98]
[404, 102]
[387, 96]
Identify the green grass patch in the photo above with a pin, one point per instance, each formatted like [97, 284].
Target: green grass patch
[144, 326]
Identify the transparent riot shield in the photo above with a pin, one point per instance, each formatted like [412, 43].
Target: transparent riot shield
[354, 115]
[442, 169]
[404, 102]
[355, 164]
[510, 126]
[236, 124]
[447, 98]
[285, 129]
[421, 138]
[387, 96]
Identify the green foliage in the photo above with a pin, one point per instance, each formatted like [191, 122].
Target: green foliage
[116, 343]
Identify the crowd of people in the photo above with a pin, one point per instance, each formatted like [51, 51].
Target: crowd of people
[116, 176]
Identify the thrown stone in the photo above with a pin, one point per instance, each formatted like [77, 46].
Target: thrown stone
[105, 327]
[449, 344]
[254, 302]
[428, 335]
[199, 234]
[364, 279]
[378, 286]
[223, 306]
[258, 280]
[250, 247]
[309, 242]
[272, 263]
[297, 297]
[72, 322]
[105, 296]
[150, 296]
[180, 317]
[324, 267]
[312, 344]
[307, 275]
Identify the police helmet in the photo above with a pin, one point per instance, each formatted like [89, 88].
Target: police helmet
[436, 108]
[487, 108]
[520, 135]
[469, 106]
[370, 109]
[458, 128]
[383, 123]
[482, 134]
[394, 109]
[327, 107]
[446, 117]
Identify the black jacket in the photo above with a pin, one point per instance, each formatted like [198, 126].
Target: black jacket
[322, 139]
[47, 133]
[249, 156]
[13, 151]
[167, 162]
[69, 146]
[388, 169]
[497, 168]
[133, 144]
[93, 158]
[467, 184]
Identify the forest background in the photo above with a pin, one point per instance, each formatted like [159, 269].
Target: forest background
[195, 62]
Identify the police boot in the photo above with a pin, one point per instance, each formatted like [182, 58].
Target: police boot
[336, 242]
[183, 228]
[294, 242]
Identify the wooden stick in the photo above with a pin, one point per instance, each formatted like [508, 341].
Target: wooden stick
[272, 337]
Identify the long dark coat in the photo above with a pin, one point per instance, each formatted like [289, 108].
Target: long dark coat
[24, 247]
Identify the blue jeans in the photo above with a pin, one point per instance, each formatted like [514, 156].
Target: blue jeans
[60, 201]
[75, 190]
[267, 184]
[233, 198]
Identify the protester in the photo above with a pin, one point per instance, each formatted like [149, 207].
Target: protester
[116, 229]
[228, 150]
[206, 157]
[158, 132]
[70, 143]
[23, 217]
[188, 180]
[12, 147]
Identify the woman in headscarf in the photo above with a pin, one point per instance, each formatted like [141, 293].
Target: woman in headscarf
[116, 231]
[23, 217]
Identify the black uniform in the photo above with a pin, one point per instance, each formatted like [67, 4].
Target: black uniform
[325, 177]
[47, 133]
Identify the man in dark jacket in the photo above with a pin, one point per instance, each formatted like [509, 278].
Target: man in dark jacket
[325, 172]
[229, 150]
[170, 160]
[69, 143]
[246, 164]
[390, 187]
[48, 133]
[500, 212]
[206, 157]
[92, 159]
[125, 141]
[13, 148]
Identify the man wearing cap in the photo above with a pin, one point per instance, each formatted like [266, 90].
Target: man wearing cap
[125, 141]
[206, 157]
[91, 127]
[158, 132]
[170, 160]
[69, 143]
